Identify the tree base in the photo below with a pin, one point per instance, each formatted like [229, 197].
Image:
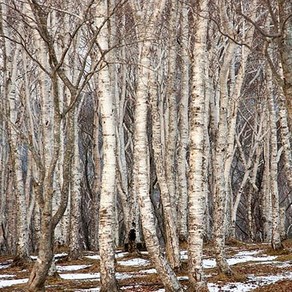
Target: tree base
[198, 287]
[23, 262]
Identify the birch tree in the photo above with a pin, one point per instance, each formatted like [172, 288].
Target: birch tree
[183, 127]
[13, 101]
[146, 16]
[108, 121]
[197, 182]
[276, 238]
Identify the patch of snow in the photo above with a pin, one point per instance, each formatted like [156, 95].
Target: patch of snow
[123, 276]
[241, 257]
[266, 280]
[71, 268]
[97, 256]
[149, 271]
[7, 276]
[209, 263]
[181, 278]
[80, 276]
[183, 255]
[90, 290]
[248, 258]
[119, 276]
[121, 255]
[282, 264]
[134, 262]
[253, 282]
[7, 283]
[247, 253]
[234, 287]
[130, 287]
[94, 257]
[57, 256]
[4, 266]
[60, 255]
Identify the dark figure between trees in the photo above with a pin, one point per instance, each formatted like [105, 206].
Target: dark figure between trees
[132, 239]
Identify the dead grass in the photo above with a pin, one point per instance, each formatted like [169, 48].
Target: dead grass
[285, 258]
[237, 276]
[288, 244]
[280, 252]
[280, 286]
[143, 282]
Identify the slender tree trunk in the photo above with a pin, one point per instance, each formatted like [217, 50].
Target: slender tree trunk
[198, 183]
[266, 193]
[167, 275]
[285, 134]
[172, 244]
[285, 50]
[220, 194]
[15, 113]
[107, 196]
[97, 173]
[171, 96]
[276, 236]
[183, 139]
[149, 16]
[75, 217]
[41, 268]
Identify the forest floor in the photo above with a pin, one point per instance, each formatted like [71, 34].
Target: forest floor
[256, 267]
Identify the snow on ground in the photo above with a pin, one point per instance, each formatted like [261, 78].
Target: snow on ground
[7, 283]
[80, 276]
[57, 256]
[124, 276]
[90, 290]
[252, 283]
[4, 266]
[149, 271]
[121, 254]
[240, 257]
[93, 257]
[134, 262]
[97, 256]
[130, 287]
[7, 276]
[71, 268]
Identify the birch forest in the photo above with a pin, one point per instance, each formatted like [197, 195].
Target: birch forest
[144, 125]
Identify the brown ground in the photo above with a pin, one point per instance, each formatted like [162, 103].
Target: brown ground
[150, 282]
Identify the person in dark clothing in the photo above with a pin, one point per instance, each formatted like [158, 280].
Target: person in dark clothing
[132, 239]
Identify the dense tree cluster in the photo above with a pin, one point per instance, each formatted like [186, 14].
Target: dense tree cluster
[144, 123]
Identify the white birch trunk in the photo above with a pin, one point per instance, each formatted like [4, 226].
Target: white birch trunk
[276, 233]
[183, 125]
[266, 194]
[148, 16]
[285, 135]
[121, 149]
[142, 176]
[220, 193]
[75, 210]
[97, 173]
[197, 180]
[15, 108]
[107, 196]
[171, 96]
[172, 243]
